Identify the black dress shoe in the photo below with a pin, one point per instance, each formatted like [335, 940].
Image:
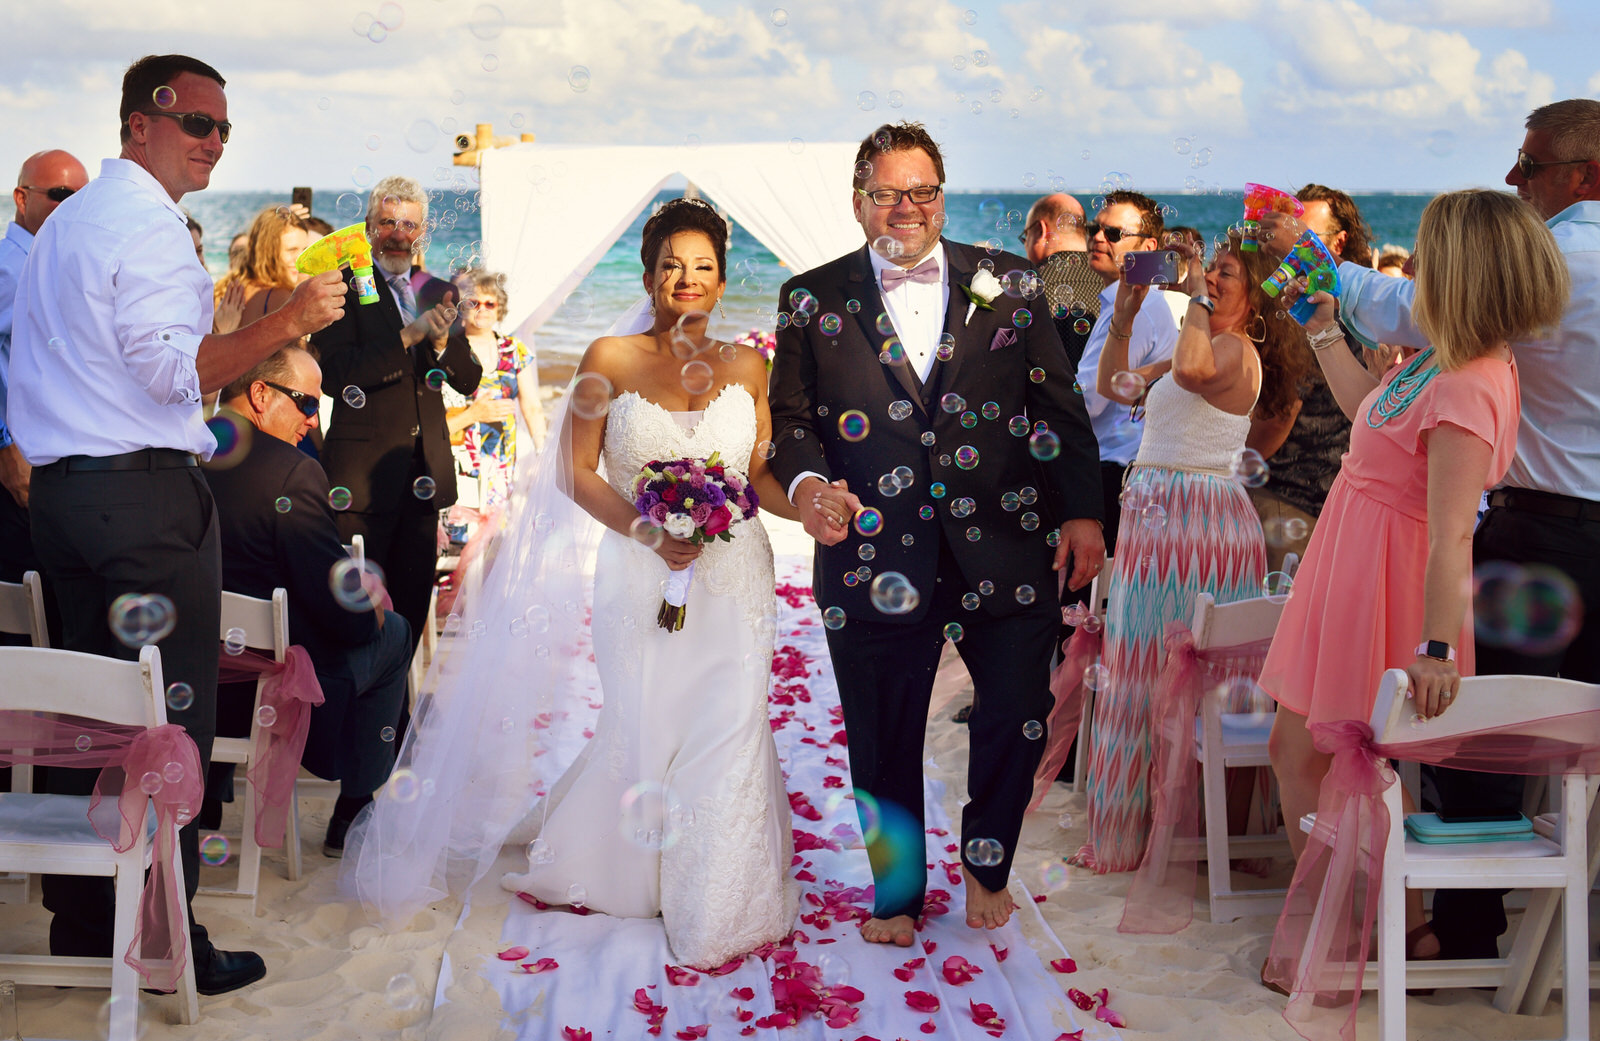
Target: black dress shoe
[228, 970]
[333, 842]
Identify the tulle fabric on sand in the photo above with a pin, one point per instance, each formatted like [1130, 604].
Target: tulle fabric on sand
[1081, 650]
[289, 694]
[132, 760]
[1343, 859]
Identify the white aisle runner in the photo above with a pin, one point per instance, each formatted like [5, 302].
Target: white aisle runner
[598, 977]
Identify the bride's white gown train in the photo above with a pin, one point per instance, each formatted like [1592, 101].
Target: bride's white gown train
[677, 806]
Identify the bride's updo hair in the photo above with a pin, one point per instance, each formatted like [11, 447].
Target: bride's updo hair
[680, 215]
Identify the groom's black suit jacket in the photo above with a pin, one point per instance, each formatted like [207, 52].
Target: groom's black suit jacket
[813, 371]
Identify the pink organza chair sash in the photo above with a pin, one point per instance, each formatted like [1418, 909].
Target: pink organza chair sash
[138, 767]
[1161, 896]
[1066, 684]
[1343, 861]
[284, 719]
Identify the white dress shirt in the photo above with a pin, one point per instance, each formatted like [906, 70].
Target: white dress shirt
[13, 252]
[111, 309]
[1558, 439]
[1153, 337]
[916, 309]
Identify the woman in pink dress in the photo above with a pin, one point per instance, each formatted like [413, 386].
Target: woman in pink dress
[1386, 581]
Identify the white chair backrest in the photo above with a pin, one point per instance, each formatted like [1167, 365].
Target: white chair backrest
[1100, 589]
[1230, 625]
[22, 608]
[40, 679]
[265, 622]
[358, 550]
[1483, 701]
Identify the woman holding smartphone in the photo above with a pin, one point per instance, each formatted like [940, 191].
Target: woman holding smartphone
[1386, 581]
[1187, 524]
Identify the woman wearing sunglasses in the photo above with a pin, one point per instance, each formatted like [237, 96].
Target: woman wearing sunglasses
[483, 429]
[1187, 525]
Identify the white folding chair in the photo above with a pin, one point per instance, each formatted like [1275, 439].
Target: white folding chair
[22, 613]
[1233, 739]
[358, 549]
[51, 834]
[1559, 864]
[266, 625]
[1099, 600]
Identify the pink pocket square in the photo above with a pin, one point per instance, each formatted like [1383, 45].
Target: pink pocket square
[1003, 338]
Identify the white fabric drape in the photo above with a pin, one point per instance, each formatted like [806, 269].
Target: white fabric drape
[550, 212]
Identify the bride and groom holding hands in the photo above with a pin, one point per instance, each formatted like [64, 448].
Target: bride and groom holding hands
[911, 408]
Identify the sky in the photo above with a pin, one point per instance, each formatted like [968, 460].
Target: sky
[1404, 95]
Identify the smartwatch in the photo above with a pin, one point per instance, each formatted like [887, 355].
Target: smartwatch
[1436, 649]
[1205, 302]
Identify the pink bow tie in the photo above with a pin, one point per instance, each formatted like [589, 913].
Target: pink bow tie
[927, 271]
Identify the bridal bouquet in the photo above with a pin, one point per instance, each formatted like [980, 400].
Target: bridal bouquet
[696, 500]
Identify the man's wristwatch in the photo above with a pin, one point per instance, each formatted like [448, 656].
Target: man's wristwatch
[1205, 302]
[1436, 649]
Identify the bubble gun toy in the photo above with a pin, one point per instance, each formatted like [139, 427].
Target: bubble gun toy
[337, 249]
[1258, 199]
[1310, 259]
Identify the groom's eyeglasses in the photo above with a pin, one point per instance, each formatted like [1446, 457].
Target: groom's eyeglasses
[306, 403]
[922, 194]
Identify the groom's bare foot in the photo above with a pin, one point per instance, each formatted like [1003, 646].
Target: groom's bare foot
[899, 930]
[986, 909]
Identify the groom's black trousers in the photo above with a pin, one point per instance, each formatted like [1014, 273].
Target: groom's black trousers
[885, 673]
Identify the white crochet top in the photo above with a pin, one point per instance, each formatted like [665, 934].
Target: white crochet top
[1183, 431]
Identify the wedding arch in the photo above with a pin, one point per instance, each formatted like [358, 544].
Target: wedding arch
[550, 212]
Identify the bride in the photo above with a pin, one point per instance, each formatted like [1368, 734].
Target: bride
[676, 806]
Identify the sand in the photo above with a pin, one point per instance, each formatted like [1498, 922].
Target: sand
[333, 976]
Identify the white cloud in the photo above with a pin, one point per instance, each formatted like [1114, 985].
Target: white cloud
[1505, 14]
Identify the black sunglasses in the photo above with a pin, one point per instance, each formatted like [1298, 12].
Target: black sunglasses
[1114, 234]
[308, 404]
[1526, 166]
[198, 124]
[60, 193]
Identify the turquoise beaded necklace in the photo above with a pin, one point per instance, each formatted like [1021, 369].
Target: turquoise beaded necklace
[1403, 389]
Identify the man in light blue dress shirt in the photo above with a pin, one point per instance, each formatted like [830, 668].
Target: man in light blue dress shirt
[45, 181]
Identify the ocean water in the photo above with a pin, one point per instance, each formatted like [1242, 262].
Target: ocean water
[755, 275]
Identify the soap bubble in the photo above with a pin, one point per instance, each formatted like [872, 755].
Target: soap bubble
[766, 449]
[214, 849]
[899, 410]
[904, 476]
[486, 21]
[1096, 676]
[1128, 384]
[1154, 516]
[970, 601]
[1276, 586]
[1248, 468]
[355, 397]
[577, 894]
[893, 594]
[140, 619]
[434, 379]
[895, 98]
[866, 551]
[986, 587]
[1295, 529]
[780, 17]
[578, 78]
[984, 852]
[1033, 730]
[1044, 445]
[164, 96]
[180, 696]
[866, 101]
[282, 504]
[233, 641]
[355, 588]
[490, 62]
[423, 488]
[928, 437]
[888, 486]
[952, 631]
[1025, 595]
[868, 521]
[697, 377]
[150, 783]
[1534, 609]
[339, 497]
[1036, 375]
[966, 457]
[83, 742]
[854, 425]
[348, 206]
[952, 403]
[1022, 318]
[540, 853]
[402, 786]
[422, 135]
[401, 992]
[590, 395]
[969, 419]
[267, 716]
[647, 532]
[386, 735]
[974, 534]
[833, 617]
[831, 324]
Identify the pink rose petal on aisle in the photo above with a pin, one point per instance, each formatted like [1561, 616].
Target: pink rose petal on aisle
[1102, 995]
[742, 993]
[922, 1001]
[1000, 953]
[1080, 999]
[928, 1027]
[681, 977]
[1039, 899]
[533, 968]
[985, 1017]
[929, 946]
[576, 1034]
[1064, 965]
[726, 967]
[692, 1033]
[1106, 1015]
[957, 970]
[1075, 1035]
[514, 954]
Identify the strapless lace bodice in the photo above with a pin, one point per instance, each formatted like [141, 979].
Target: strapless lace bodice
[638, 430]
[1185, 432]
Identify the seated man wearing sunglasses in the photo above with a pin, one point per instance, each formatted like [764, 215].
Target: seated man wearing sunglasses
[278, 530]
[45, 182]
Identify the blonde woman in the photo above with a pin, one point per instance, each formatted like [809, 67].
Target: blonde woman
[1386, 580]
[267, 275]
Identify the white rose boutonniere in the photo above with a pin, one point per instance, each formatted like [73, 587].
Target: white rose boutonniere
[981, 293]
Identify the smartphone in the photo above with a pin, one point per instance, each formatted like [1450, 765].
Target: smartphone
[1479, 818]
[301, 197]
[1155, 267]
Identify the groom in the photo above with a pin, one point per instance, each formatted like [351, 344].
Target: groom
[906, 356]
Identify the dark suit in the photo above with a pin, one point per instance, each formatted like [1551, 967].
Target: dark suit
[885, 663]
[380, 450]
[264, 547]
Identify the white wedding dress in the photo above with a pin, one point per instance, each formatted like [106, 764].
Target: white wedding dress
[677, 805]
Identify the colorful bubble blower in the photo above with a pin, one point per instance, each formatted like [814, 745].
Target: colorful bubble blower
[337, 249]
[1308, 259]
[1259, 199]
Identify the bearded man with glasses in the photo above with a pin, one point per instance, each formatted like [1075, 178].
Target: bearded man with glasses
[111, 351]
